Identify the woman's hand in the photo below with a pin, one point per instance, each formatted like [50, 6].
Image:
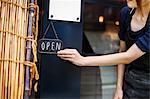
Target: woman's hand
[118, 94]
[71, 55]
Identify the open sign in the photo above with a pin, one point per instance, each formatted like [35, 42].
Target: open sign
[49, 46]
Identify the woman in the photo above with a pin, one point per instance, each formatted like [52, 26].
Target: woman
[133, 78]
[132, 14]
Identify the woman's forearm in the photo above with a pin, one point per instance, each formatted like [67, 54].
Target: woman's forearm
[120, 75]
[106, 60]
[120, 67]
[113, 59]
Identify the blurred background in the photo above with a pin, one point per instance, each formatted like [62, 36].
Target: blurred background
[101, 25]
[96, 34]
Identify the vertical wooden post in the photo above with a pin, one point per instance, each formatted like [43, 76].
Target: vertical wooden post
[28, 51]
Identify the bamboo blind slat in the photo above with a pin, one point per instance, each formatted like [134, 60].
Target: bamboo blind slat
[13, 38]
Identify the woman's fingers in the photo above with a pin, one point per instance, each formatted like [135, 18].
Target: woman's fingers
[61, 52]
[66, 55]
[67, 51]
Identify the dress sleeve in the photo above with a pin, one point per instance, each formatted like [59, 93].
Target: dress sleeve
[123, 23]
[144, 42]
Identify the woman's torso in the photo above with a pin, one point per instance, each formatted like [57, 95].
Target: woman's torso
[136, 79]
[141, 64]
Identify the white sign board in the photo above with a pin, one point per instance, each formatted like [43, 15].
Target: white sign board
[66, 10]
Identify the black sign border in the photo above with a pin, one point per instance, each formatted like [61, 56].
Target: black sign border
[53, 53]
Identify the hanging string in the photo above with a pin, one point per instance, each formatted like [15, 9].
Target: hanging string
[46, 30]
[53, 28]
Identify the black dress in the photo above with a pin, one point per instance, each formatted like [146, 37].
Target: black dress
[137, 74]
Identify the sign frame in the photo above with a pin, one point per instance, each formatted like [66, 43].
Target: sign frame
[45, 41]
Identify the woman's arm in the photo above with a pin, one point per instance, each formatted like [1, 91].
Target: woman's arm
[113, 59]
[120, 74]
[120, 67]
[73, 56]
